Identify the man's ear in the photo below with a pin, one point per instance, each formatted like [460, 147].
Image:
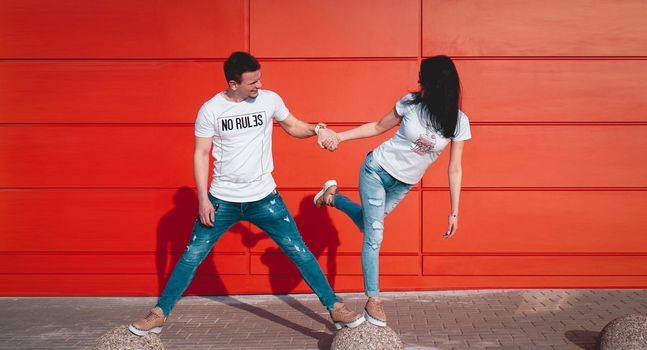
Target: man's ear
[233, 85]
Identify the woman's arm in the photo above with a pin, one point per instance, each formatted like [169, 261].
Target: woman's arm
[454, 174]
[375, 128]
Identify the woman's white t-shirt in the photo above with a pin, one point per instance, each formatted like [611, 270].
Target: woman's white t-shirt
[414, 147]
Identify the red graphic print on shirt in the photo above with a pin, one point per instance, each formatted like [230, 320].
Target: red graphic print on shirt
[424, 144]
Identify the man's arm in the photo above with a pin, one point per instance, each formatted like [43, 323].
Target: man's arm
[201, 174]
[300, 129]
[296, 127]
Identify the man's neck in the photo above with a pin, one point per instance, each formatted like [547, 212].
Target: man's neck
[232, 96]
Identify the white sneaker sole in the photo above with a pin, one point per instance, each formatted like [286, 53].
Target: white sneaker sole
[140, 332]
[325, 188]
[373, 320]
[357, 322]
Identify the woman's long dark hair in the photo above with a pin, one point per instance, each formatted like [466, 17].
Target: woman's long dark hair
[439, 95]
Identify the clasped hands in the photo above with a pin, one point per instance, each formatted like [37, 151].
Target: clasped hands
[328, 139]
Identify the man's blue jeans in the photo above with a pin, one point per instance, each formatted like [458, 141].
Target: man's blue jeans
[379, 193]
[272, 216]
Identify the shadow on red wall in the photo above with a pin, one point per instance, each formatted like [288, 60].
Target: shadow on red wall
[319, 235]
[173, 233]
[174, 230]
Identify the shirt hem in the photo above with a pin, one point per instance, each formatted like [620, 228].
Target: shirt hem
[388, 169]
[243, 200]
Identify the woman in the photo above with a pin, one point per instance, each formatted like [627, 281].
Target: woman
[429, 120]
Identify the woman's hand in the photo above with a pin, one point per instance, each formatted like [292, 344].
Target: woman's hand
[332, 143]
[328, 139]
[453, 226]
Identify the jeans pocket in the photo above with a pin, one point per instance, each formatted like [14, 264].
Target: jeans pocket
[272, 197]
[214, 201]
[370, 164]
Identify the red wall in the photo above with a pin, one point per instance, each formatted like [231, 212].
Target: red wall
[97, 103]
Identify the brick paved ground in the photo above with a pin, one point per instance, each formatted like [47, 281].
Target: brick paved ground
[501, 319]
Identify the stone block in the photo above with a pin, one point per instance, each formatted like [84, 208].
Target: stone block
[624, 333]
[367, 337]
[121, 338]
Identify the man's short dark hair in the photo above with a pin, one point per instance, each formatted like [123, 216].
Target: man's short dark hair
[238, 63]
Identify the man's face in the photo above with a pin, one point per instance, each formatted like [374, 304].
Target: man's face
[249, 84]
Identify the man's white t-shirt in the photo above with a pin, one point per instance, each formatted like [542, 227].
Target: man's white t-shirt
[414, 147]
[242, 144]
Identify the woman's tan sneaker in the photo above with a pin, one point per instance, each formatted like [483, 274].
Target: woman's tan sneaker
[374, 312]
[153, 322]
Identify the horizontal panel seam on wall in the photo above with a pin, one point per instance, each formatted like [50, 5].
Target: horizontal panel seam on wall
[217, 59]
[116, 274]
[405, 277]
[559, 123]
[175, 252]
[107, 252]
[252, 274]
[460, 58]
[545, 254]
[331, 124]
[164, 59]
[537, 275]
[292, 274]
[549, 58]
[546, 189]
[358, 273]
[340, 58]
[149, 189]
[405, 254]
[349, 188]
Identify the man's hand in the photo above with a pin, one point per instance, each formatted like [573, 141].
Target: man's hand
[207, 213]
[328, 139]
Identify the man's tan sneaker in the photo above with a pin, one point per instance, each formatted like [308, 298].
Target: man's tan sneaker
[374, 312]
[151, 323]
[344, 317]
[325, 195]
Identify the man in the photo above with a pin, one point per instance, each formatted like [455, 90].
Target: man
[238, 124]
